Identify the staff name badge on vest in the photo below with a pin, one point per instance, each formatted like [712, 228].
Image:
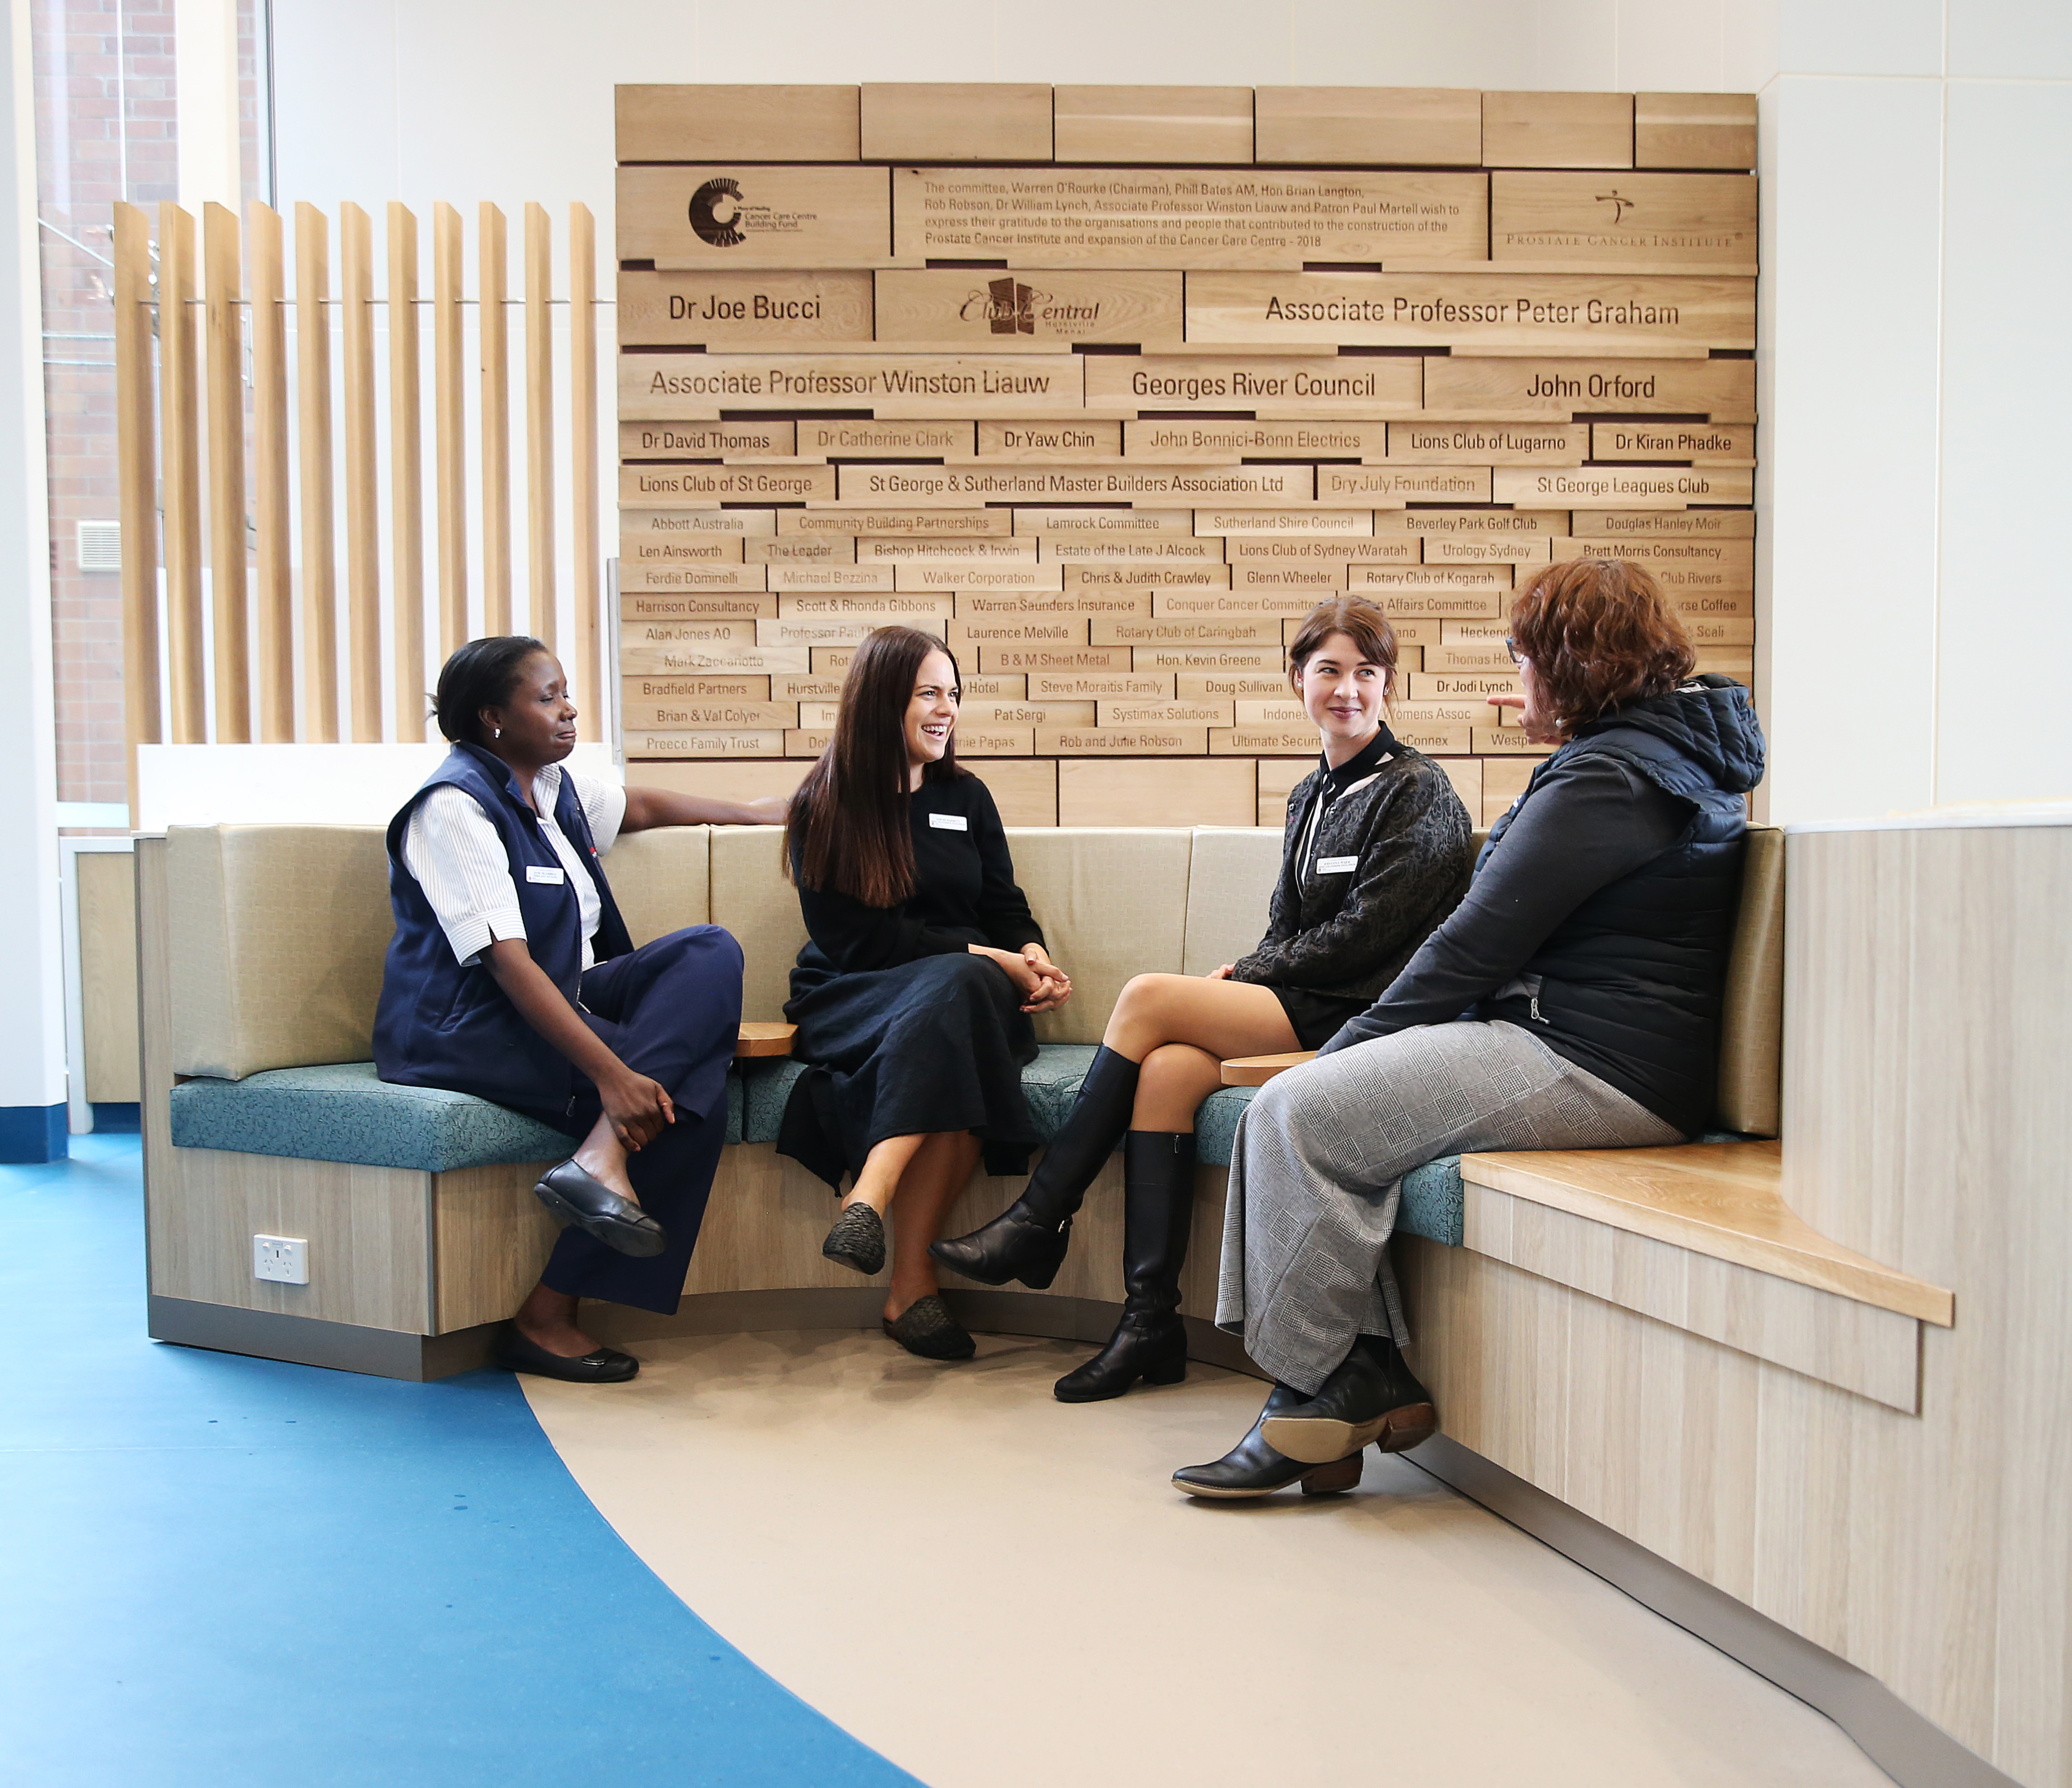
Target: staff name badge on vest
[1337, 865]
[538, 871]
[949, 822]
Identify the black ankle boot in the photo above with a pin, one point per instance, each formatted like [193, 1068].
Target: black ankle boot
[1027, 1240]
[1373, 1397]
[1252, 1467]
[1158, 1205]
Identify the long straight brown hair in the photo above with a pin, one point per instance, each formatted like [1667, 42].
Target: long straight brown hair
[848, 828]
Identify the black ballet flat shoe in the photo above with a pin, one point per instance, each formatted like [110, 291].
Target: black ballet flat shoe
[1372, 1398]
[857, 1240]
[1012, 1246]
[925, 1327]
[516, 1353]
[573, 1196]
[1252, 1468]
[1153, 1351]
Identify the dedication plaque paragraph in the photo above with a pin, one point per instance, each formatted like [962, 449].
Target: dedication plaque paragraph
[1108, 399]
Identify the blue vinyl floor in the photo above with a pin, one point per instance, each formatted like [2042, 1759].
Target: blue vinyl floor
[222, 1571]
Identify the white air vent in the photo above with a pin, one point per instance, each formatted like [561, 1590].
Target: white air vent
[101, 546]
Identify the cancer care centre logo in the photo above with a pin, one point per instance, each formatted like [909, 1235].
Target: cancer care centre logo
[723, 217]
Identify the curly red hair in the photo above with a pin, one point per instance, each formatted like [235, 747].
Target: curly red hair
[1600, 635]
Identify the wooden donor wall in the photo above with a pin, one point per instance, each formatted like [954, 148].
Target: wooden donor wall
[1109, 385]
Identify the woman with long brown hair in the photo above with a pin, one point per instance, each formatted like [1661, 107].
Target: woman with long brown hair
[914, 995]
[1375, 853]
[1571, 1001]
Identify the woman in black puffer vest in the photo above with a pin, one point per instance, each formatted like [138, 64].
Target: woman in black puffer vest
[1571, 1001]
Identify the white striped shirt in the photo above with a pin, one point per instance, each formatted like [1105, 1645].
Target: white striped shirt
[457, 854]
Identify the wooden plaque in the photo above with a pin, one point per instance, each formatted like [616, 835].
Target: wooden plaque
[1489, 443]
[1694, 130]
[1043, 441]
[658, 310]
[1227, 629]
[1709, 523]
[800, 549]
[1124, 741]
[1273, 386]
[651, 605]
[1508, 312]
[1557, 130]
[701, 743]
[792, 576]
[1489, 549]
[1034, 659]
[1029, 713]
[974, 574]
[897, 524]
[1637, 487]
[1058, 306]
[1182, 605]
[1688, 443]
[1525, 388]
[951, 552]
[1138, 217]
[1303, 585]
[708, 441]
[634, 576]
[1155, 124]
[1703, 223]
[1206, 658]
[1059, 525]
[1096, 685]
[1398, 486]
[648, 715]
[979, 604]
[1197, 685]
[683, 548]
[680, 659]
[802, 123]
[1403, 126]
[697, 387]
[749, 524]
[687, 485]
[1226, 443]
[1323, 523]
[1113, 714]
[716, 217]
[936, 120]
[695, 688]
[1377, 549]
[844, 439]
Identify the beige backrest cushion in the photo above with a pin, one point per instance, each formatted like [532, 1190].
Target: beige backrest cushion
[1752, 1026]
[662, 880]
[276, 938]
[1230, 874]
[1113, 902]
[752, 899]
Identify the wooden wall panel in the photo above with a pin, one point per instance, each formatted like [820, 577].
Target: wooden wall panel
[1402, 126]
[313, 444]
[273, 539]
[224, 325]
[179, 410]
[1207, 125]
[773, 123]
[1694, 130]
[945, 121]
[1557, 130]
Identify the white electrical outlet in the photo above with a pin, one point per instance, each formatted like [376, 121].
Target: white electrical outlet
[283, 1259]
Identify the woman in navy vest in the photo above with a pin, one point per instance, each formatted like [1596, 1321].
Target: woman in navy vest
[1571, 1001]
[510, 977]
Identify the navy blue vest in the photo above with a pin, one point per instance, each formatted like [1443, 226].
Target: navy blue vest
[440, 1025]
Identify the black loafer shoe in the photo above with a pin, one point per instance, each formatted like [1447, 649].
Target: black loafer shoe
[927, 1328]
[606, 1365]
[857, 1240]
[592, 1207]
[1252, 1468]
[1372, 1398]
[1012, 1246]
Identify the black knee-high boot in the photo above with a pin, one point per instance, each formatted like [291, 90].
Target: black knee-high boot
[1158, 1205]
[1027, 1240]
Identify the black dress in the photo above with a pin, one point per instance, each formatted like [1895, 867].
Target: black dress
[905, 1032]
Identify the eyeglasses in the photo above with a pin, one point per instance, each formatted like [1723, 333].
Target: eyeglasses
[1511, 646]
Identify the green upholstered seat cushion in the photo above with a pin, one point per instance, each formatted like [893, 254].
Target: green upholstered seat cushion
[342, 1112]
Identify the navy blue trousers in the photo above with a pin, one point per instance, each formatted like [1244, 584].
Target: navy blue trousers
[670, 1010]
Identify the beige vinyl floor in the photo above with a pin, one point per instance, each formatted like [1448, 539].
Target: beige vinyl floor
[996, 1590]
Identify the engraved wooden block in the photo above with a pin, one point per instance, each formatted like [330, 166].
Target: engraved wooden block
[1489, 549]
[681, 549]
[828, 578]
[1434, 741]
[1043, 441]
[651, 715]
[939, 120]
[899, 524]
[1468, 655]
[1026, 791]
[874, 602]
[1094, 686]
[683, 485]
[1649, 523]
[1037, 630]
[679, 658]
[1398, 486]
[714, 216]
[1390, 548]
[1465, 775]
[845, 437]
[1203, 604]
[1225, 443]
[708, 440]
[1639, 488]
[817, 717]
[1153, 124]
[995, 742]
[807, 741]
[1692, 443]
[710, 122]
[1113, 564]
[1204, 658]
[1028, 306]
[1409, 631]
[1085, 604]
[1231, 630]
[1456, 632]
[1702, 223]
[1206, 685]
[696, 688]
[1468, 711]
[1262, 741]
[1524, 388]
[841, 630]
[799, 549]
[1028, 713]
[1161, 792]
[1451, 686]
[674, 605]
[1714, 633]
[1483, 522]
[1405, 126]
[1287, 712]
[700, 307]
[1693, 607]
[1273, 386]
[675, 632]
[749, 524]
[1059, 525]
[1357, 523]
[1503, 781]
[1313, 580]
[1694, 130]
[697, 387]
[1122, 742]
[1414, 595]
[994, 688]
[1557, 130]
[704, 742]
[1526, 313]
[636, 574]
[826, 691]
[1034, 659]
[951, 552]
[1682, 567]
[977, 574]
[1125, 714]
[1489, 443]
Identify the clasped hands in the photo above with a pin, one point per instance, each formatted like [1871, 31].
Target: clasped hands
[1044, 985]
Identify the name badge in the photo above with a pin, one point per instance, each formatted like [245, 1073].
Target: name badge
[535, 873]
[948, 822]
[1337, 865]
